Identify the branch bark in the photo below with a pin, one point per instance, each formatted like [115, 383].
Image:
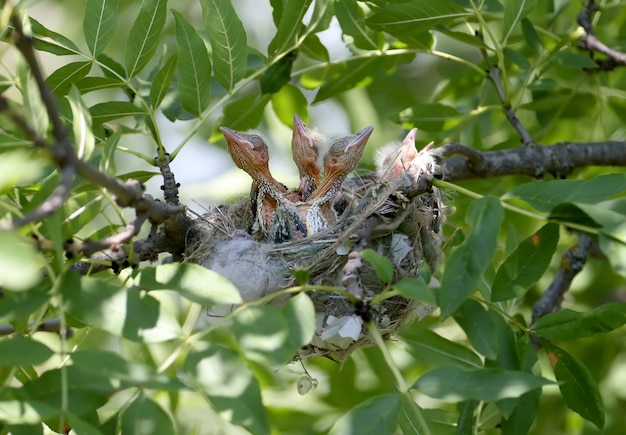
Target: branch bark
[536, 161]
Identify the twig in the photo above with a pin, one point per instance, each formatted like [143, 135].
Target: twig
[52, 325]
[51, 204]
[572, 262]
[474, 157]
[147, 249]
[170, 186]
[90, 247]
[493, 73]
[559, 160]
[24, 44]
[592, 44]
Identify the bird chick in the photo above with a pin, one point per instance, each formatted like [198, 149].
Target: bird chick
[306, 148]
[275, 215]
[394, 161]
[341, 158]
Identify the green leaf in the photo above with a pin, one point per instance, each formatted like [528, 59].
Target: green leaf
[429, 347]
[194, 69]
[33, 106]
[531, 36]
[377, 415]
[544, 195]
[19, 168]
[466, 38]
[111, 68]
[20, 351]
[62, 79]
[223, 377]
[415, 288]
[479, 328]
[264, 336]
[192, 281]
[578, 388]
[514, 11]
[300, 275]
[15, 306]
[415, 16]
[288, 28]
[614, 249]
[382, 265]
[287, 101]
[144, 35]
[526, 264]
[468, 261]
[99, 24]
[517, 58]
[162, 80]
[352, 21]
[86, 391]
[414, 420]
[20, 262]
[313, 48]
[300, 315]
[25, 411]
[91, 84]
[431, 117]
[465, 423]
[278, 74]
[84, 140]
[454, 384]
[574, 60]
[228, 41]
[571, 325]
[354, 72]
[524, 414]
[245, 113]
[110, 365]
[52, 42]
[146, 417]
[128, 313]
[610, 217]
[612, 238]
[110, 110]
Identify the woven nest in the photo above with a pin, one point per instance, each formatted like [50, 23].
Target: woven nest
[400, 220]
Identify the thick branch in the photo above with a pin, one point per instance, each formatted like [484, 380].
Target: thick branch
[559, 160]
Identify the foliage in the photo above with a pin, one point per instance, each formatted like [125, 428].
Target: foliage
[142, 356]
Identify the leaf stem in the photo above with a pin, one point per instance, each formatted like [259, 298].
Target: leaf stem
[400, 382]
[510, 207]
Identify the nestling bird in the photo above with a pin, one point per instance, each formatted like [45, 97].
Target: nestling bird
[276, 216]
[306, 148]
[393, 161]
[341, 158]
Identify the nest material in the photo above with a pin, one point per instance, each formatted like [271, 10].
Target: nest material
[407, 230]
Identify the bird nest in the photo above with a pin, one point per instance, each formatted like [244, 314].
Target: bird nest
[399, 217]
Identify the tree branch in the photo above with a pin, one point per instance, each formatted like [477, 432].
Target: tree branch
[51, 325]
[592, 44]
[559, 160]
[493, 73]
[572, 263]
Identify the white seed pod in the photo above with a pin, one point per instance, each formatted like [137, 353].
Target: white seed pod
[305, 384]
